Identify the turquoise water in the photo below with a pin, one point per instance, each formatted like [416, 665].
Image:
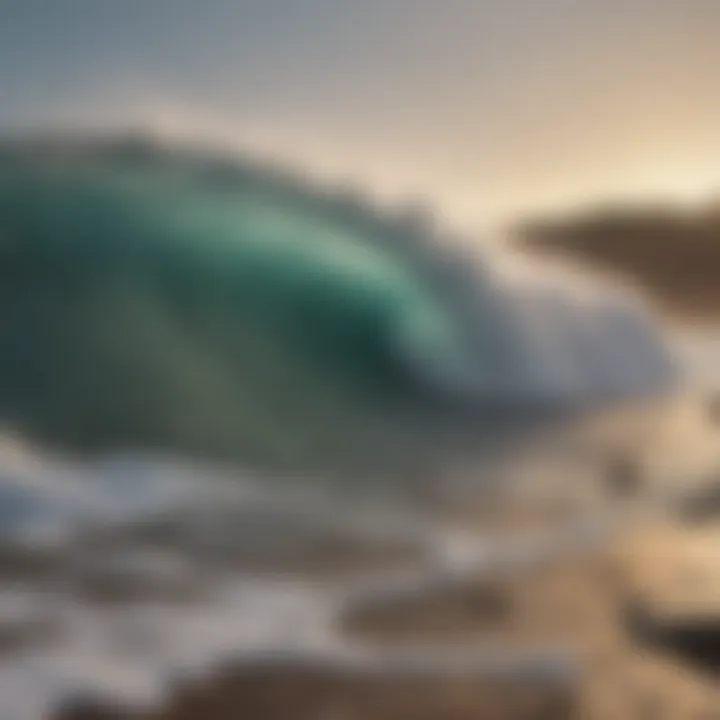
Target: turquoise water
[151, 303]
[166, 299]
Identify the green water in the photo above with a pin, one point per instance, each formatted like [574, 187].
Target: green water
[142, 304]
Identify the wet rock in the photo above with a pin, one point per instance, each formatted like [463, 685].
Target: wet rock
[624, 477]
[703, 507]
[232, 541]
[672, 596]
[23, 563]
[25, 621]
[453, 612]
[305, 691]
[713, 409]
[89, 707]
[693, 638]
[133, 576]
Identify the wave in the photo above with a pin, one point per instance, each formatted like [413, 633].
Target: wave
[168, 297]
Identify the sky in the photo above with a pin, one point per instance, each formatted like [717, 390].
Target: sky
[492, 109]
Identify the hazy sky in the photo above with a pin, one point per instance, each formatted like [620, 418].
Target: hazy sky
[492, 107]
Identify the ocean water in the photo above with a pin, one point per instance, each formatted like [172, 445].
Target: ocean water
[171, 300]
[211, 369]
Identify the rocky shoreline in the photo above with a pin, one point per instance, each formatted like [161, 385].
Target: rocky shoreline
[577, 604]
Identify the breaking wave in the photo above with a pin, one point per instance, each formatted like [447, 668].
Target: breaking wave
[166, 298]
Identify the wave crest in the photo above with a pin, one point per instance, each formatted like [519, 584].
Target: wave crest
[164, 297]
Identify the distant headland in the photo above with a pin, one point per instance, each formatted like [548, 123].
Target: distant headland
[673, 253]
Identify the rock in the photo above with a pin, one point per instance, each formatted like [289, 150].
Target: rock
[673, 592]
[304, 691]
[624, 477]
[24, 621]
[690, 637]
[457, 612]
[129, 576]
[89, 707]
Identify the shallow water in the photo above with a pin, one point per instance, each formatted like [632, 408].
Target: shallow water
[134, 571]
